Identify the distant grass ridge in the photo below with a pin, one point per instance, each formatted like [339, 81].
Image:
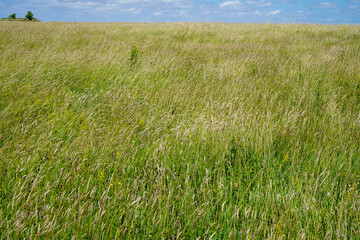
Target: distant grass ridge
[19, 19]
[179, 131]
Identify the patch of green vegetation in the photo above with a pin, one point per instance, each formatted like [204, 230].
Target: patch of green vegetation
[19, 19]
[28, 17]
[179, 130]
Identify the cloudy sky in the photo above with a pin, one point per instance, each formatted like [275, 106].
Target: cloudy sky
[281, 11]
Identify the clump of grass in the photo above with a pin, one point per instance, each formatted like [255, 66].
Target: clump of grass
[221, 131]
[134, 55]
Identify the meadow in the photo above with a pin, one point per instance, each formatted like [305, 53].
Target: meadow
[179, 131]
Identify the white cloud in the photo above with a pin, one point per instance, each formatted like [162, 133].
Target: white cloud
[170, 1]
[124, 1]
[248, 5]
[79, 4]
[239, 14]
[133, 10]
[257, 13]
[301, 13]
[172, 13]
[158, 13]
[242, 14]
[68, 3]
[230, 4]
[273, 13]
[115, 4]
[261, 3]
[325, 5]
[180, 13]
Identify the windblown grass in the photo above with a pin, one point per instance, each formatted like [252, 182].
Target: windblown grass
[179, 131]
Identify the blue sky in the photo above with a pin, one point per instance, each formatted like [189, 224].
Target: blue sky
[263, 11]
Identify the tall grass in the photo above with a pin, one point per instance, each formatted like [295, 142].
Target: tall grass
[179, 131]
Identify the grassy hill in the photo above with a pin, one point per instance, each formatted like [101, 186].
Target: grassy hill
[19, 20]
[179, 131]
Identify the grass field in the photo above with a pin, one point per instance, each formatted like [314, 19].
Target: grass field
[179, 131]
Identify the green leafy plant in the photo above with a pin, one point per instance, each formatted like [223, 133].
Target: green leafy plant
[29, 16]
[134, 55]
[12, 16]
